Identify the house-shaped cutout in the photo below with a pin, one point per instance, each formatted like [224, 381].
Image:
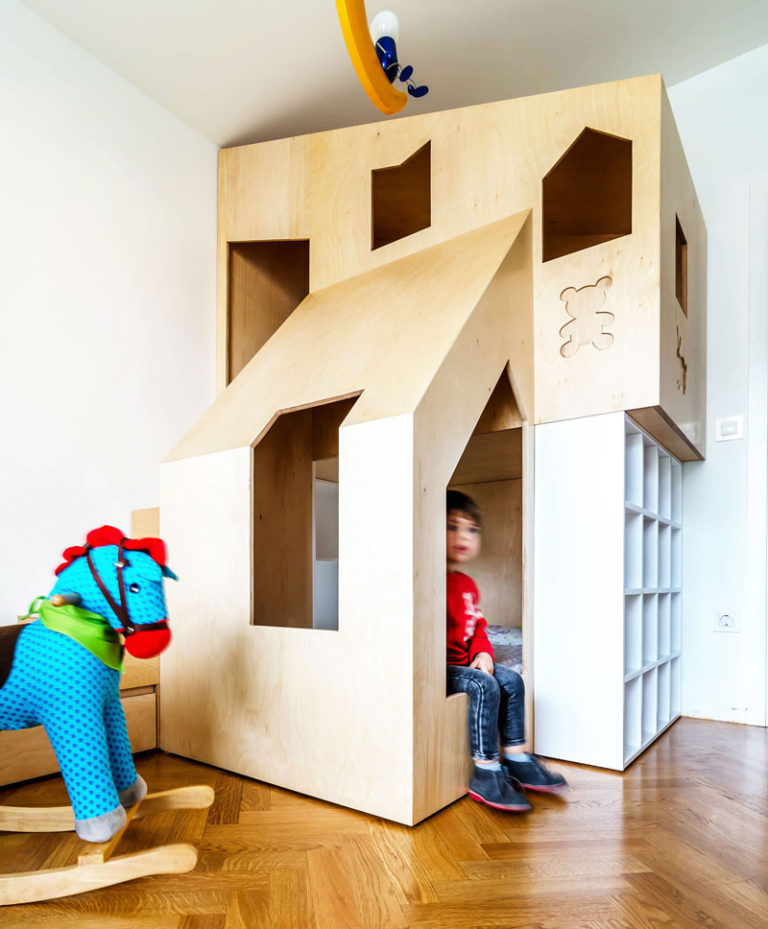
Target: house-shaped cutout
[401, 201]
[587, 195]
[424, 363]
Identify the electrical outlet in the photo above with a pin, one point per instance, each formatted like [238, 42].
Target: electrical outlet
[726, 622]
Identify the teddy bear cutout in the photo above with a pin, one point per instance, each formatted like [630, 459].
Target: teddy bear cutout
[587, 323]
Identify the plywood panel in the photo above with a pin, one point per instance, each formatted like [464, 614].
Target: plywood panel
[326, 420]
[327, 469]
[262, 192]
[657, 424]
[27, 753]
[683, 346]
[445, 418]
[267, 281]
[282, 523]
[501, 411]
[386, 331]
[267, 701]
[140, 672]
[488, 161]
[401, 198]
[618, 370]
[285, 705]
[492, 456]
[145, 523]
[498, 569]
[423, 326]
[587, 195]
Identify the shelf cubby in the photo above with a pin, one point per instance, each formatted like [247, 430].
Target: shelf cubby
[650, 477]
[675, 689]
[663, 705]
[633, 551]
[650, 704]
[676, 557]
[675, 624]
[676, 491]
[664, 626]
[650, 629]
[633, 470]
[665, 566]
[665, 486]
[633, 634]
[633, 717]
[650, 553]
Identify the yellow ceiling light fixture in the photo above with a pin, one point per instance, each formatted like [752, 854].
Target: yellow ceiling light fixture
[374, 55]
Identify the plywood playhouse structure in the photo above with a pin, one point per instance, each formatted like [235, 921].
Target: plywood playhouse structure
[507, 298]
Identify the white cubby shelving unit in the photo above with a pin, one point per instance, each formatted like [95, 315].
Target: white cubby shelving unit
[607, 590]
[660, 475]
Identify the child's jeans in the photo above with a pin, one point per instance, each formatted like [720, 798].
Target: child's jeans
[496, 707]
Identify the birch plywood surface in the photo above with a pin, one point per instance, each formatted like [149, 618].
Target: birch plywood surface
[488, 162]
[683, 349]
[267, 701]
[308, 709]
[444, 419]
[261, 198]
[497, 571]
[385, 332]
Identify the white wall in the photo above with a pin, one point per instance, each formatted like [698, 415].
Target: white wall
[107, 297]
[721, 118]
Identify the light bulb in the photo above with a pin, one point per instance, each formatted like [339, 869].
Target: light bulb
[385, 23]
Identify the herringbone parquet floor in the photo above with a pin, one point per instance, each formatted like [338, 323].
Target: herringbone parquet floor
[679, 840]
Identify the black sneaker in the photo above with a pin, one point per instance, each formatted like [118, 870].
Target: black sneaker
[532, 775]
[494, 789]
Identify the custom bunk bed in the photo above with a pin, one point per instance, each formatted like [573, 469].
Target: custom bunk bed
[404, 307]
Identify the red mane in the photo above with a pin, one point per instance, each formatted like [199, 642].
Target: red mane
[109, 535]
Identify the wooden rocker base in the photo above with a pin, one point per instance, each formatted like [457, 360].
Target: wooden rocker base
[95, 867]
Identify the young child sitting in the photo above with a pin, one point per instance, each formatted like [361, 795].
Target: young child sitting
[496, 694]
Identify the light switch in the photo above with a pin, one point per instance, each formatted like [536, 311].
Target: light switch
[729, 428]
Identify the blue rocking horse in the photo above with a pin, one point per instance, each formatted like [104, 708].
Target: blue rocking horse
[62, 671]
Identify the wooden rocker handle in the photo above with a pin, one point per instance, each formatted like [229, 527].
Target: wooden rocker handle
[62, 819]
[65, 599]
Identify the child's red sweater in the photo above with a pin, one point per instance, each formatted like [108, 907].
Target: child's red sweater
[466, 624]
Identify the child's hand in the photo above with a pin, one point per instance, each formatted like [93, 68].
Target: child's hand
[483, 662]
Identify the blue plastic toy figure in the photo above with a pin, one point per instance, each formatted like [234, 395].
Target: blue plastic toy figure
[385, 31]
[62, 671]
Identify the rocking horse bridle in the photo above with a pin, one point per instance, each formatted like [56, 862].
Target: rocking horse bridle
[120, 609]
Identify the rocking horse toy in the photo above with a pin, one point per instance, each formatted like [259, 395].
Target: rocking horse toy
[62, 671]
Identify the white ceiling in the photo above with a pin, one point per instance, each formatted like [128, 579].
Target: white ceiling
[249, 70]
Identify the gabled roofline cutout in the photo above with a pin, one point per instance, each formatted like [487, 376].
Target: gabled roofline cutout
[401, 198]
[587, 194]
